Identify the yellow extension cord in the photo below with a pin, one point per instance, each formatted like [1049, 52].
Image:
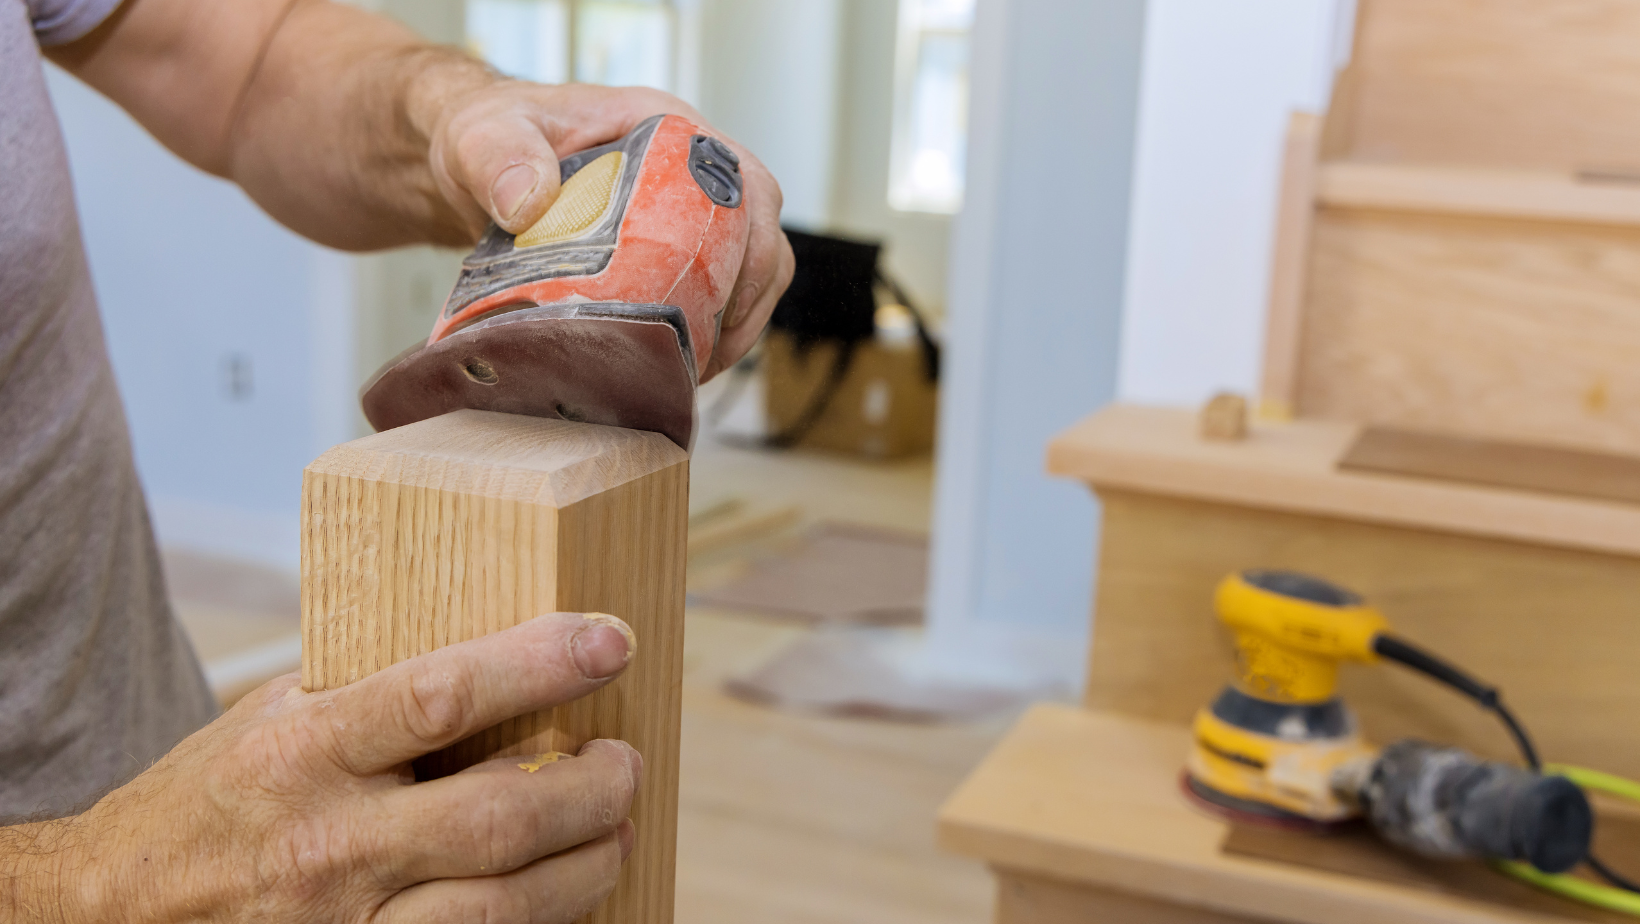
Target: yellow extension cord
[1582, 890]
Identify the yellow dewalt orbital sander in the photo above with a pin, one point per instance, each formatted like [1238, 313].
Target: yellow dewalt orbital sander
[1268, 745]
[1278, 746]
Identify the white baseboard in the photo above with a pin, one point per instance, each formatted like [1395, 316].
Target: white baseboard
[272, 540]
[232, 676]
[1012, 656]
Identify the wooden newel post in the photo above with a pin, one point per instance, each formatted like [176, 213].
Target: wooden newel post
[473, 522]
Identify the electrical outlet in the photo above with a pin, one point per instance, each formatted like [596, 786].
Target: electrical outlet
[238, 377]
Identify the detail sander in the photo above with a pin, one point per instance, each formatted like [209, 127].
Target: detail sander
[605, 310]
[1279, 746]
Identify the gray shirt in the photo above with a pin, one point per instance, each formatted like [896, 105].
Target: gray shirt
[96, 678]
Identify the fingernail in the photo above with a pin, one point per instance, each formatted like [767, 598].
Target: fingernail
[511, 188]
[600, 650]
[634, 764]
[627, 834]
[634, 760]
[744, 300]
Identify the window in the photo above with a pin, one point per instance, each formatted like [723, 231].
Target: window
[929, 150]
[615, 42]
[528, 39]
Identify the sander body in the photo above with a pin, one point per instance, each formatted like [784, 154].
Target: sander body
[605, 310]
[1268, 744]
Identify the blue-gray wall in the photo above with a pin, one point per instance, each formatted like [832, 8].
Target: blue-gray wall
[191, 275]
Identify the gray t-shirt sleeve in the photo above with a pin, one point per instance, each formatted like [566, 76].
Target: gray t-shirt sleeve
[58, 22]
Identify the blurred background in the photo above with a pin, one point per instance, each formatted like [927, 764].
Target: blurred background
[1073, 200]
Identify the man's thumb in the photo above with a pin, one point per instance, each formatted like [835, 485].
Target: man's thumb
[512, 171]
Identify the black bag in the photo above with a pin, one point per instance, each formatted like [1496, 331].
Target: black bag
[831, 298]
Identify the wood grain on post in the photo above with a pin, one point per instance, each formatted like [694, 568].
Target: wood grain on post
[470, 523]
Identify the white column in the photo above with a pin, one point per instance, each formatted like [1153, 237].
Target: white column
[1035, 295]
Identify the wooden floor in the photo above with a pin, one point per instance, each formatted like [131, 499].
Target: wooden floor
[800, 819]
[804, 820]
[783, 818]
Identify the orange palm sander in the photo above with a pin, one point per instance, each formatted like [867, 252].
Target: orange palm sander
[605, 310]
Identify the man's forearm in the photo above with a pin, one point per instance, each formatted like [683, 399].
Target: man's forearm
[320, 111]
[36, 887]
[332, 134]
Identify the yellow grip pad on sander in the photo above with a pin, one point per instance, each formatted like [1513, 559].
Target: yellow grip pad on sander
[582, 201]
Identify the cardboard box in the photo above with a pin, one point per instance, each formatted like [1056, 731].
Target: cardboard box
[883, 409]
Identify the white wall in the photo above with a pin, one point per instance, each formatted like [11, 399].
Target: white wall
[190, 273]
[1054, 265]
[1219, 82]
[915, 243]
[767, 75]
[808, 85]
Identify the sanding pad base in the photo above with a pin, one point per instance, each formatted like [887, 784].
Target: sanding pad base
[1246, 811]
[614, 364]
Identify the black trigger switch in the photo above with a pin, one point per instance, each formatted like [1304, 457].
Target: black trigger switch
[716, 169]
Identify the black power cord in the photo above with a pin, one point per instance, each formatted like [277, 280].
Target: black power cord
[1610, 875]
[1423, 662]
[930, 349]
[822, 396]
[819, 399]
[1410, 655]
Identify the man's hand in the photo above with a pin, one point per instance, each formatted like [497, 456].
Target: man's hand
[301, 807]
[494, 154]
